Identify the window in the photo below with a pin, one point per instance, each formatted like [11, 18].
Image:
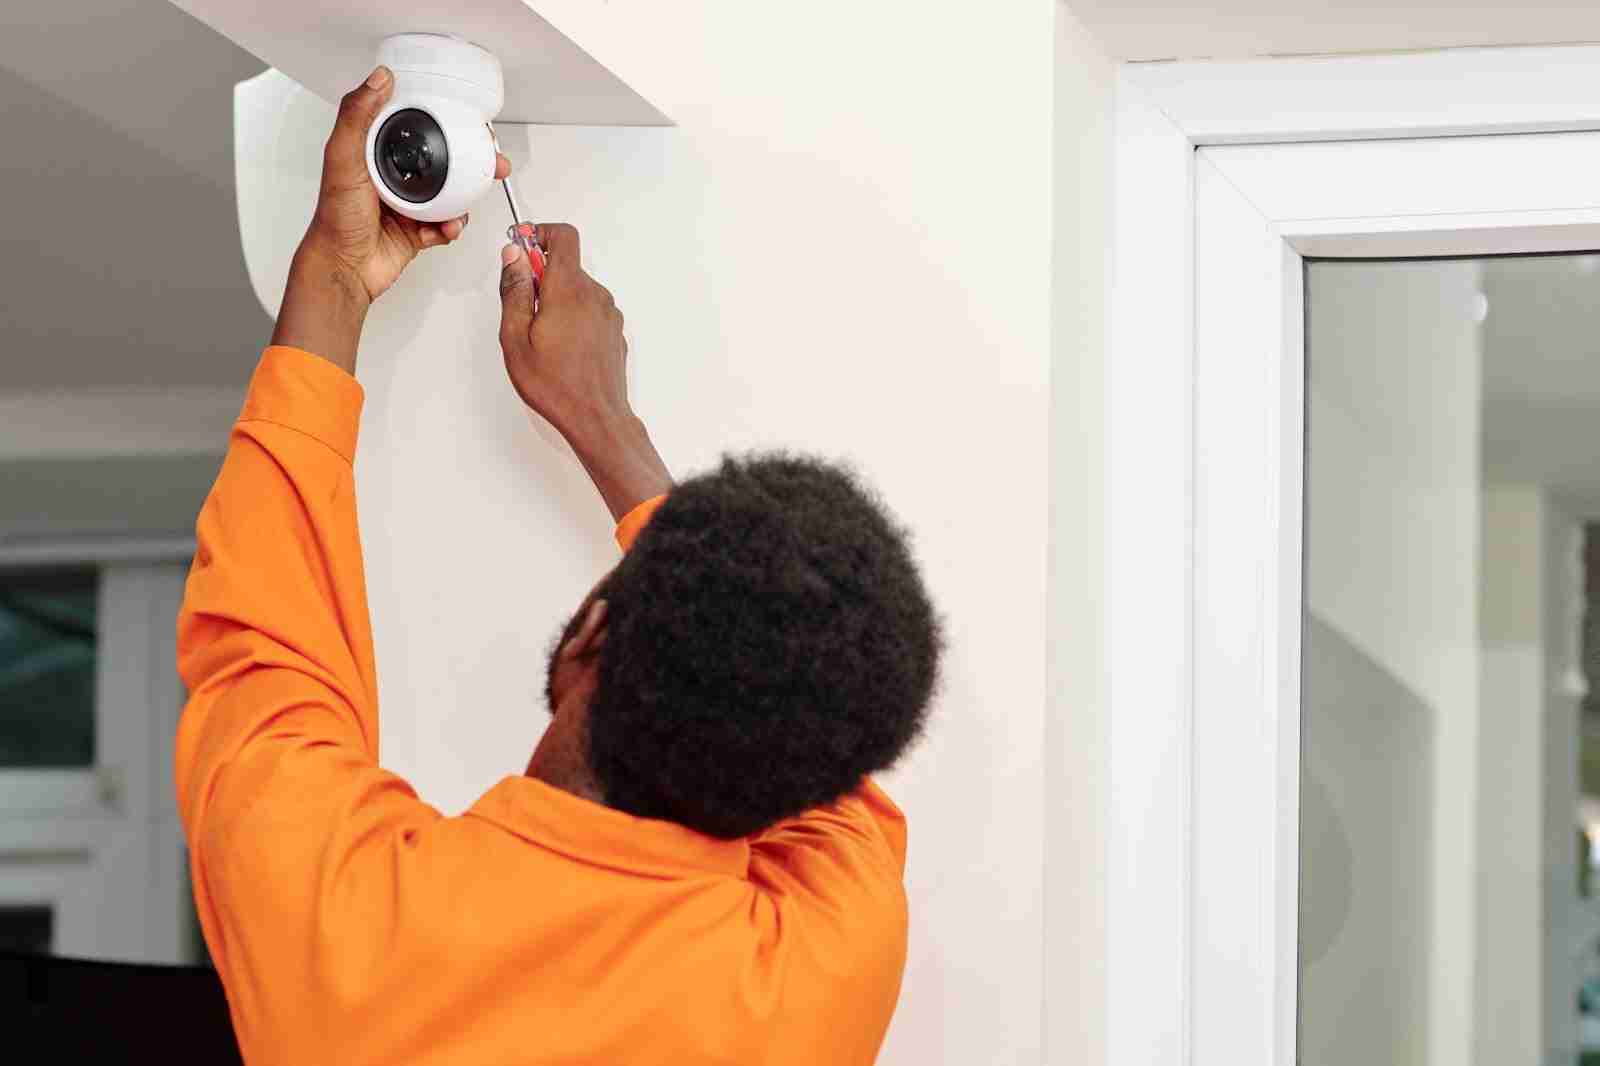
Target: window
[91, 852]
[47, 667]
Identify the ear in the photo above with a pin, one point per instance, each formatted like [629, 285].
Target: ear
[591, 635]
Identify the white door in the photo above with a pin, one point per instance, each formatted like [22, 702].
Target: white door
[1265, 166]
[1381, 574]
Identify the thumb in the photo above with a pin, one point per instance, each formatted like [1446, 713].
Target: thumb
[344, 160]
[516, 294]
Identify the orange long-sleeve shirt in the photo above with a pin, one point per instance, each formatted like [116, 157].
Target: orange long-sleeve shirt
[352, 923]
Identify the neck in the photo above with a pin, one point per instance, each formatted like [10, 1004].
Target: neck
[580, 783]
[559, 760]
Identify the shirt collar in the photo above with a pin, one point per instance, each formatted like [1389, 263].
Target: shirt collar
[603, 836]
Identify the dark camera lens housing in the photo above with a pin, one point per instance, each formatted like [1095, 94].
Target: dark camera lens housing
[412, 156]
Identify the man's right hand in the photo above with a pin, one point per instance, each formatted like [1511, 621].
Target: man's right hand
[569, 363]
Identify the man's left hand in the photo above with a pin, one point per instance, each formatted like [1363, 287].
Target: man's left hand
[355, 247]
[352, 226]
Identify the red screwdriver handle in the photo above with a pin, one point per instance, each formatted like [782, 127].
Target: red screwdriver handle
[522, 233]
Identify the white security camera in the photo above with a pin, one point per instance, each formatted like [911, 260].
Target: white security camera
[430, 151]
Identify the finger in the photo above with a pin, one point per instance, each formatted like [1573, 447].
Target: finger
[516, 295]
[344, 160]
[429, 235]
[560, 243]
[502, 167]
[432, 234]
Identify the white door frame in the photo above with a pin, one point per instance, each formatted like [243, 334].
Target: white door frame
[1218, 199]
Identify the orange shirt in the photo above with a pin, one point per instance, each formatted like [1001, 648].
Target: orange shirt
[352, 923]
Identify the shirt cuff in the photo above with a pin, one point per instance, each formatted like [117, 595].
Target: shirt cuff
[308, 394]
[636, 519]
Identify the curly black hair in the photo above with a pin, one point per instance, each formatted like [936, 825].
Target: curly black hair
[769, 642]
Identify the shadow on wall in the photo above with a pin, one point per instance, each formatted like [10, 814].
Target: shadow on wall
[1365, 838]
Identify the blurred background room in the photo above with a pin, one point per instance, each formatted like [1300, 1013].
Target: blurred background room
[129, 328]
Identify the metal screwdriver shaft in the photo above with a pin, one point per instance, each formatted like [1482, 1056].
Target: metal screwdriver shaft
[511, 199]
[520, 232]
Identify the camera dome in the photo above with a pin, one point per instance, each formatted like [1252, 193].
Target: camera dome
[430, 152]
[412, 155]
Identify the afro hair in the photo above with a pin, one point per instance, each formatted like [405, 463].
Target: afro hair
[769, 642]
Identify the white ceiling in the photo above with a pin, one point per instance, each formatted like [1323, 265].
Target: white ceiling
[121, 262]
[329, 45]
[1231, 29]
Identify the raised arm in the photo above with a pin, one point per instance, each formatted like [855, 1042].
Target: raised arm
[274, 627]
[291, 824]
[570, 364]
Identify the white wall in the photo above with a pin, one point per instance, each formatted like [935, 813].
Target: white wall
[831, 253]
[1391, 567]
[1075, 727]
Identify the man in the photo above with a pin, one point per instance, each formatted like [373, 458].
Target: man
[694, 867]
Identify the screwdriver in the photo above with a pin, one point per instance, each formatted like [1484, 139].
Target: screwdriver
[519, 232]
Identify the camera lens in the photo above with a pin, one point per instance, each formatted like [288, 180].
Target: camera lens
[412, 156]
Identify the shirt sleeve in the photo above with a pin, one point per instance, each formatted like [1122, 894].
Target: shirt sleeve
[858, 839]
[634, 521]
[292, 826]
[844, 864]
[273, 636]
